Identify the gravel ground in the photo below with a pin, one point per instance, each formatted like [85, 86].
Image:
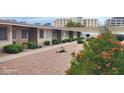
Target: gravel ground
[43, 63]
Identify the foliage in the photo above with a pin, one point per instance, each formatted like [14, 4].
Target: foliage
[79, 41]
[64, 40]
[14, 48]
[54, 42]
[47, 43]
[25, 45]
[73, 24]
[103, 55]
[87, 35]
[32, 45]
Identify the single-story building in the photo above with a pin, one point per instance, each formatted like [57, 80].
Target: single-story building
[16, 32]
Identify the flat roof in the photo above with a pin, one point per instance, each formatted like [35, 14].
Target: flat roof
[76, 29]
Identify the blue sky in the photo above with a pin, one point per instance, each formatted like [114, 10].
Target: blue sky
[43, 20]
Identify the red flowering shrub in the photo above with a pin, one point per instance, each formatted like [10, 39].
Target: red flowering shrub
[101, 55]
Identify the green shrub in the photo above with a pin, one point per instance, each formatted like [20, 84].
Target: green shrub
[25, 45]
[103, 55]
[32, 45]
[54, 42]
[79, 41]
[75, 39]
[82, 38]
[65, 40]
[47, 43]
[72, 39]
[14, 48]
[69, 40]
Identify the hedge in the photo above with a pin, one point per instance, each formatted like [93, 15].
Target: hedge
[14, 48]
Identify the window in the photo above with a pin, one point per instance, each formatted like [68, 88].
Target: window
[3, 33]
[24, 34]
[118, 20]
[118, 23]
[41, 33]
[113, 21]
[13, 34]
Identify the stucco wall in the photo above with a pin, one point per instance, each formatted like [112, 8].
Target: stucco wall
[9, 36]
[47, 36]
[19, 34]
[64, 35]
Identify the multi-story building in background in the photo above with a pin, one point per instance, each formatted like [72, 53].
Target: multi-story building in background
[77, 20]
[91, 22]
[61, 22]
[115, 21]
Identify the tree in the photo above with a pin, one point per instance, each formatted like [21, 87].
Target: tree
[87, 35]
[70, 24]
[78, 24]
[73, 24]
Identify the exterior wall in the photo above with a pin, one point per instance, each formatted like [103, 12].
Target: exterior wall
[116, 22]
[19, 38]
[47, 36]
[56, 34]
[9, 36]
[64, 35]
[60, 22]
[74, 34]
[91, 23]
[77, 20]
[70, 34]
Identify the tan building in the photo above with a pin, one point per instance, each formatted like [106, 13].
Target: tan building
[16, 32]
[90, 22]
[77, 20]
[61, 22]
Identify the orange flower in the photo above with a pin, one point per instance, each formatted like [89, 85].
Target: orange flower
[115, 49]
[100, 36]
[116, 43]
[109, 40]
[106, 55]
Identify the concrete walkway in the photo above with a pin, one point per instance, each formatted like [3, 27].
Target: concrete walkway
[26, 53]
[43, 61]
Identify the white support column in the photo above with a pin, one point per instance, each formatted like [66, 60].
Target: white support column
[10, 34]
